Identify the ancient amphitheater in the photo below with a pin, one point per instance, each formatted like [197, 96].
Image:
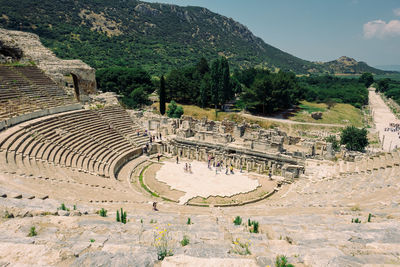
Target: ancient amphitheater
[66, 152]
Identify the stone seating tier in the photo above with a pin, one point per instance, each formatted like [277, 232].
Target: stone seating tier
[80, 140]
[25, 89]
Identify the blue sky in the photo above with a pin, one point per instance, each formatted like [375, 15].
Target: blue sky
[318, 30]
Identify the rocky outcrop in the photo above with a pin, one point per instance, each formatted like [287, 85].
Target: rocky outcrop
[316, 115]
[26, 47]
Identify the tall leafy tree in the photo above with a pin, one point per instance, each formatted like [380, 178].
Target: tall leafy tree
[215, 82]
[355, 139]
[367, 79]
[162, 95]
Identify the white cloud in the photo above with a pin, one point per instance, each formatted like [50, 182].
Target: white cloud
[396, 11]
[381, 29]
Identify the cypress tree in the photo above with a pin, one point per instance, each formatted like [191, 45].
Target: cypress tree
[162, 95]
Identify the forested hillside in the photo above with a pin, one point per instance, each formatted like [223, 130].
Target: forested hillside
[155, 37]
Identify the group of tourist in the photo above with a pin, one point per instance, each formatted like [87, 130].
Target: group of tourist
[219, 165]
[153, 138]
[188, 168]
[394, 128]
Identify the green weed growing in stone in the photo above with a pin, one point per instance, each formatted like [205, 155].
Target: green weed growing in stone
[74, 207]
[238, 220]
[369, 217]
[162, 244]
[281, 261]
[189, 221]
[356, 220]
[253, 226]
[63, 207]
[121, 217]
[92, 240]
[32, 231]
[185, 241]
[103, 212]
[241, 247]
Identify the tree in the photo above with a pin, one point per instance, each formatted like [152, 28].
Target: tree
[355, 139]
[174, 111]
[335, 144]
[383, 85]
[215, 78]
[137, 98]
[367, 79]
[162, 95]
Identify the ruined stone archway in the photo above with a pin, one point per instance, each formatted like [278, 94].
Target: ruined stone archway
[76, 86]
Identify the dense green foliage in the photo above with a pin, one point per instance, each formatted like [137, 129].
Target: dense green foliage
[367, 79]
[157, 37]
[134, 84]
[265, 92]
[200, 84]
[355, 139]
[174, 111]
[281, 261]
[335, 144]
[391, 88]
[329, 88]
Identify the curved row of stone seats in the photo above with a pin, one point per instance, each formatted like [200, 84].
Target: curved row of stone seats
[80, 140]
[120, 120]
[25, 89]
[363, 166]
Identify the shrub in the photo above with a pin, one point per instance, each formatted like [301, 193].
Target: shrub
[63, 207]
[253, 226]
[355, 139]
[161, 243]
[185, 241]
[189, 221]
[238, 220]
[123, 216]
[281, 261]
[174, 111]
[8, 215]
[103, 212]
[241, 248]
[32, 231]
[332, 139]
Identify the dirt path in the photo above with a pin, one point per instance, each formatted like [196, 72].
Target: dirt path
[383, 116]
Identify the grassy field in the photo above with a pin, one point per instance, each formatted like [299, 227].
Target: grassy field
[343, 114]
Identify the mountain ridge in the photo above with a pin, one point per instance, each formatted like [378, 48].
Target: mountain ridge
[156, 36]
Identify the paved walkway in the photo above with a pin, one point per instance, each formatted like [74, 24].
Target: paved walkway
[204, 182]
[382, 117]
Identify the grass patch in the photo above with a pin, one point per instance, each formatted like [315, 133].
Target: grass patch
[185, 241]
[32, 231]
[312, 107]
[142, 183]
[237, 221]
[343, 114]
